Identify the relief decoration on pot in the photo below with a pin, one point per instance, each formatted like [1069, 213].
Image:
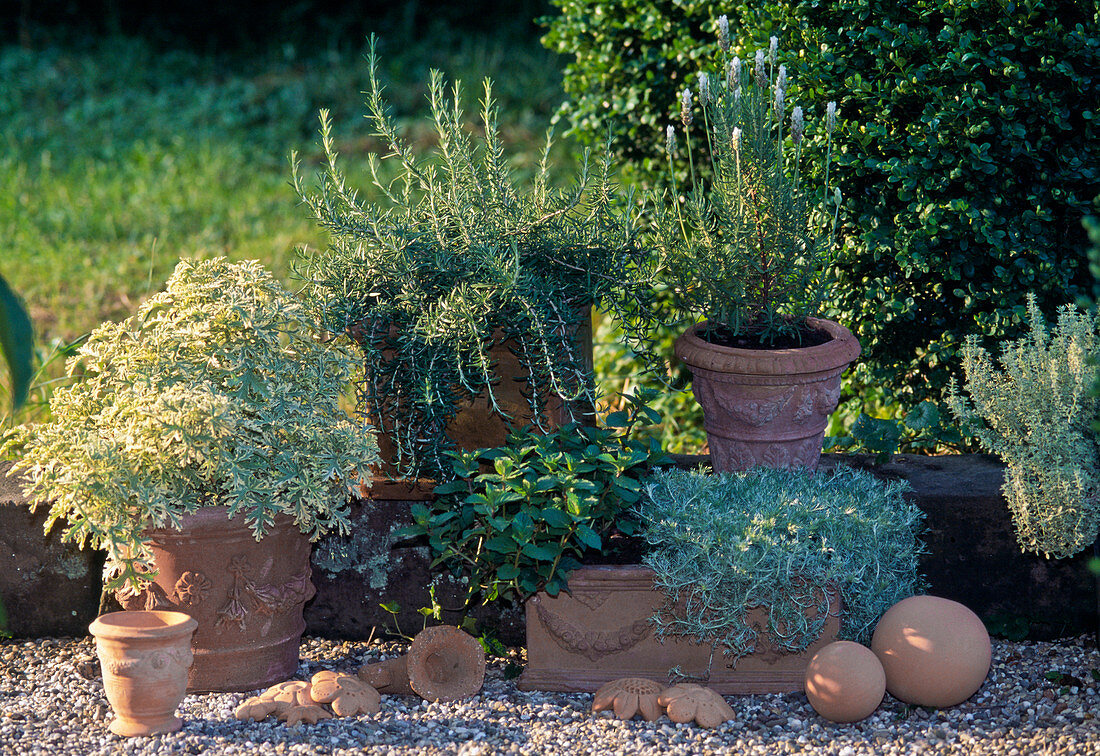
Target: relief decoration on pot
[144, 664]
[739, 455]
[593, 645]
[265, 600]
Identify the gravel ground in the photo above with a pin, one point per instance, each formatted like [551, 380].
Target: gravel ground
[52, 702]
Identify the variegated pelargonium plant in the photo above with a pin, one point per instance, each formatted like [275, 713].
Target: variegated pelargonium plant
[215, 393]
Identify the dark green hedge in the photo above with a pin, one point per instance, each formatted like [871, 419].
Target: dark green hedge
[968, 150]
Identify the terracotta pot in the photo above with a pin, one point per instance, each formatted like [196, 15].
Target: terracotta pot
[246, 595]
[477, 425]
[767, 407]
[144, 657]
[600, 632]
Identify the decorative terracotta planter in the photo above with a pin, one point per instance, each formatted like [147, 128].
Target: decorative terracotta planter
[144, 657]
[602, 633]
[246, 595]
[767, 407]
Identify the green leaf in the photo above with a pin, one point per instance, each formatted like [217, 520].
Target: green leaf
[16, 343]
[588, 536]
[924, 417]
[556, 518]
[392, 607]
[877, 435]
[501, 545]
[540, 552]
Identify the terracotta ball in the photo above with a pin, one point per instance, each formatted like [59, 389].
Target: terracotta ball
[845, 682]
[935, 651]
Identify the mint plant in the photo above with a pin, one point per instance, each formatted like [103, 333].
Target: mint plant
[545, 501]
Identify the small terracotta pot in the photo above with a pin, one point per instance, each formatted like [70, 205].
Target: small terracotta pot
[767, 407]
[144, 657]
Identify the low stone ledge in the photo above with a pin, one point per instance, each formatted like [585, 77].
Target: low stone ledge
[47, 587]
[972, 557]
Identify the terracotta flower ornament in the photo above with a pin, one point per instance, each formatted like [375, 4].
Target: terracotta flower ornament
[629, 696]
[687, 702]
[346, 694]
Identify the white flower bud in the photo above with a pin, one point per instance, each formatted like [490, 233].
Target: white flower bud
[724, 33]
[670, 138]
[733, 74]
[797, 125]
[685, 107]
[735, 139]
[704, 88]
[830, 117]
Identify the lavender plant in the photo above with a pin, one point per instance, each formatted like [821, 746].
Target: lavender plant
[749, 247]
[456, 257]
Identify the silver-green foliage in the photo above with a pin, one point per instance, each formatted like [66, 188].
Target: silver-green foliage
[1034, 410]
[752, 251]
[214, 393]
[776, 539]
[458, 255]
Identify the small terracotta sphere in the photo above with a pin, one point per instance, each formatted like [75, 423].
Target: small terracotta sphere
[935, 651]
[845, 682]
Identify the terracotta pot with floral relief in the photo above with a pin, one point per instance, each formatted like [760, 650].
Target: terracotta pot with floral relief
[767, 407]
[246, 595]
[144, 657]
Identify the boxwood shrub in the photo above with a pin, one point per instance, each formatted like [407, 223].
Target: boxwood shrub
[967, 147]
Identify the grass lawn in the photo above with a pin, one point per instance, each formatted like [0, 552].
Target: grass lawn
[118, 159]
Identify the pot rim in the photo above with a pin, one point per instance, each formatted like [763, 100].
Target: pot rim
[838, 352]
[142, 624]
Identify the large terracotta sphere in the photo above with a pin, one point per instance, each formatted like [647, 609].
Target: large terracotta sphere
[935, 651]
[845, 682]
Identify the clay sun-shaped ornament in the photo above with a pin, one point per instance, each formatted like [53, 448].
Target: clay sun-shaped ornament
[347, 694]
[629, 696]
[686, 702]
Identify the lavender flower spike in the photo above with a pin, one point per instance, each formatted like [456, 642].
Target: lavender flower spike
[733, 77]
[670, 138]
[761, 78]
[781, 79]
[724, 33]
[779, 96]
[830, 117]
[685, 107]
[735, 139]
[704, 88]
[797, 125]
[773, 49]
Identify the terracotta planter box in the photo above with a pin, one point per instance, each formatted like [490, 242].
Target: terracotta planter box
[602, 632]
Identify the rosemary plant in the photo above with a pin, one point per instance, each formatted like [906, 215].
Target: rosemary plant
[750, 248]
[777, 540]
[456, 257]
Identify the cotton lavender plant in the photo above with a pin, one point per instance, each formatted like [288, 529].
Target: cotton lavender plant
[751, 246]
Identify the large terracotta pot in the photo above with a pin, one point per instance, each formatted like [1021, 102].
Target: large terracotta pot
[144, 657]
[246, 595]
[600, 631]
[767, 407]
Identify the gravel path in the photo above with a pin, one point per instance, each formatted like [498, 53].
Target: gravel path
[52, 703]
